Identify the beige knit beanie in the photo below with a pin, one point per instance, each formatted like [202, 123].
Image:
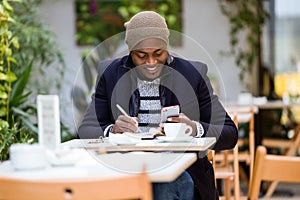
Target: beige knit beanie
[146, 25]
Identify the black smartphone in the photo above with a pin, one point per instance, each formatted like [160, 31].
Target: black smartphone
[169, 111]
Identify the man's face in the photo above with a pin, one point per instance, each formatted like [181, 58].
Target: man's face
[149, 61]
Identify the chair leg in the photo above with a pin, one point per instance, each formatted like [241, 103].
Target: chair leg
[244, 177]
[271, 189]
[227, 189]
[236, 180]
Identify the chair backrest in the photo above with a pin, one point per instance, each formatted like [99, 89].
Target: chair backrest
[295, 141]
[273, 168]
[127, 187]
[227, 169]
[246, 115]
[290, 146]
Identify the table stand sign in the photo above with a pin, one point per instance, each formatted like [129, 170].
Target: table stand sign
[48, 121]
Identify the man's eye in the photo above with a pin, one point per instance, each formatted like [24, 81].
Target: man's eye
[141, 56]
[158, 53]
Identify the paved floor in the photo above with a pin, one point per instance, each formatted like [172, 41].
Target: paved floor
[285, 191]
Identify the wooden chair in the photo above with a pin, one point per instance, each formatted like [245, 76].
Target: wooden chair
[289, 146]
[210, 157]
[245, 115]
[227, 170]
[127, 187]
[272, 168]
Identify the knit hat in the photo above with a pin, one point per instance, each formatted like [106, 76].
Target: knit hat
[146, 25]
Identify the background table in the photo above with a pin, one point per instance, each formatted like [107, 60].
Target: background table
[265, 116]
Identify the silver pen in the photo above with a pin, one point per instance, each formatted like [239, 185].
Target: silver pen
[122, 110]
[125, 113]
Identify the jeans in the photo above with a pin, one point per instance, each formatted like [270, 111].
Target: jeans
[182, 189]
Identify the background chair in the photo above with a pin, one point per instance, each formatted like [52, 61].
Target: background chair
[127, 187]
[227, 170]
[272, 168]
[246, 142]
[289, 147]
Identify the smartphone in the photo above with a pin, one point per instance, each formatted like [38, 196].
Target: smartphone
[169, 111]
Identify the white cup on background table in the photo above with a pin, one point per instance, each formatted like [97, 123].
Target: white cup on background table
[28, 156]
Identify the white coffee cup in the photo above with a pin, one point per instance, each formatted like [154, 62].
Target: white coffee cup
[177, 129]
[28, 156]
[245, 98]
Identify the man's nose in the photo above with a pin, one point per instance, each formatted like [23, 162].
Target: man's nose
[151, 60]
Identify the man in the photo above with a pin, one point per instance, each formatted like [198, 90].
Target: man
[148, 79]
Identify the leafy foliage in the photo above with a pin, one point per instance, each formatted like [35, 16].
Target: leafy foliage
[9, 130]
[37, 44]
[245, 17]
[9, 136]
[27, 51]
[98, 20]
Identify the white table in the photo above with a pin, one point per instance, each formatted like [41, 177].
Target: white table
[193, 145]
[88, 158]
[161, 167]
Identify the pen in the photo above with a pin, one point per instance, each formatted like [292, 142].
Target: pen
[122, 110]
[125, 113]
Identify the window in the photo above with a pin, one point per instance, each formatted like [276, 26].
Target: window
[281, 41]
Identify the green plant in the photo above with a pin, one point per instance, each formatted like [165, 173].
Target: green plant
[27, 51]
[9, 130]
[20, 110]
[246, 19]
[7, 60]
[37, 44]
[33, 51]
[98, 20]
[38, 56]
[9, 136]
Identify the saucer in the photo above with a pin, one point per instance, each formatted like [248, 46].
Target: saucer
[122, 139]
[125, 142]
[175, 139]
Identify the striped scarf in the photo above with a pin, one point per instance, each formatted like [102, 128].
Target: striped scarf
[149, 112]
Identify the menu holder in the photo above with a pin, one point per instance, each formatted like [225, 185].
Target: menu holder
[48, 121]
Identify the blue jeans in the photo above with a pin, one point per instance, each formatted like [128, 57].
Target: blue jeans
[182, 189]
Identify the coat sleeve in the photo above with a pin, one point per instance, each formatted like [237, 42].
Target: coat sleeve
[213, 116]
[90, 127]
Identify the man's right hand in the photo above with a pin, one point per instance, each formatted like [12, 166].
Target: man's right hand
[125, 124]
